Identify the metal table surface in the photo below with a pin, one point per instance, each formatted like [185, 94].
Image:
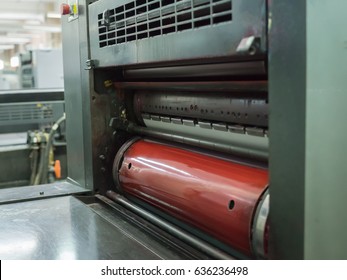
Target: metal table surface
[66, 228]
[59, 188]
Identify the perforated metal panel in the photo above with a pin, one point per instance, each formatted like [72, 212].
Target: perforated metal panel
[149, 18]
[127, 32]
[25, 113]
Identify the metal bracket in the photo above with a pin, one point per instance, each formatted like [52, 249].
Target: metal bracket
[255, 131]
[249, 45]
[114, 122]
[90, 64]
[105, 20]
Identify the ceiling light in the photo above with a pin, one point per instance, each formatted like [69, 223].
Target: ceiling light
[6, 47]
[14, 61]
[13, 40]
[46, 28]
[7, 29]
[22, 35]
[53, 15]
[8, 22]
[21, 16]
[32, 22]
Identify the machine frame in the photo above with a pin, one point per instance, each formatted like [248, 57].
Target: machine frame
[307, 63]
[306, 163]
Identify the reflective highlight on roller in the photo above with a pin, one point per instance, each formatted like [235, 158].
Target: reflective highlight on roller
[217, 196]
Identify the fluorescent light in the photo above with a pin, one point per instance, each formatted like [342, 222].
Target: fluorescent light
[53, 15]
[5, 29]
[32, 22]
[2, 64]
[13, 40]
[6, 47]
[45, 28]
[9, 22]
[14, 61]
[22, 35]
[21, 16]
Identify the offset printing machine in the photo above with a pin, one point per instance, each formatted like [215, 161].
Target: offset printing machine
[180, 113]
[183, 118]
[26, 118]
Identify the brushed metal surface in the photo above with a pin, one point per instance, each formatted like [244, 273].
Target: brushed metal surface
[11, 195]
[234, 143]
[65, 228]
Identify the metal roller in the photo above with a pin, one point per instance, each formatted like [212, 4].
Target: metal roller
[239, 144]
[245, 68]
[233, 123]
[243, 109]
[216, 196]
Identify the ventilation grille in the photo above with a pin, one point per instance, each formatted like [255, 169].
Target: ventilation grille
[25, 113]
[150, 18]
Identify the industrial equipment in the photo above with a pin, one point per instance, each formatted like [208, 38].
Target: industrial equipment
[26, 118]
[179, 108]
[30, 109]
[41, 69]
[189, 131]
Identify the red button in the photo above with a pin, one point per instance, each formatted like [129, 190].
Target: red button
[65, 9]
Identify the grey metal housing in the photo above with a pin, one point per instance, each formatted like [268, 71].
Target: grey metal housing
[166, 41]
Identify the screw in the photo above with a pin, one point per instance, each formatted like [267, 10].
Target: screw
[108, 83]
[102, 157]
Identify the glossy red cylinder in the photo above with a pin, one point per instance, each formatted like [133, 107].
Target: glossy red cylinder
[216, 196]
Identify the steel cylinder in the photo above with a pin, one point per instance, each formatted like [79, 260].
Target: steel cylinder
[217, 196]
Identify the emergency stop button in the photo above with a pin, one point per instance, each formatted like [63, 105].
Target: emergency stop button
[65, 9]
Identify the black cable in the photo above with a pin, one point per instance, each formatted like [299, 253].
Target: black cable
[34, 163]
[41, 176]
[40, 169]
[45, 163]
